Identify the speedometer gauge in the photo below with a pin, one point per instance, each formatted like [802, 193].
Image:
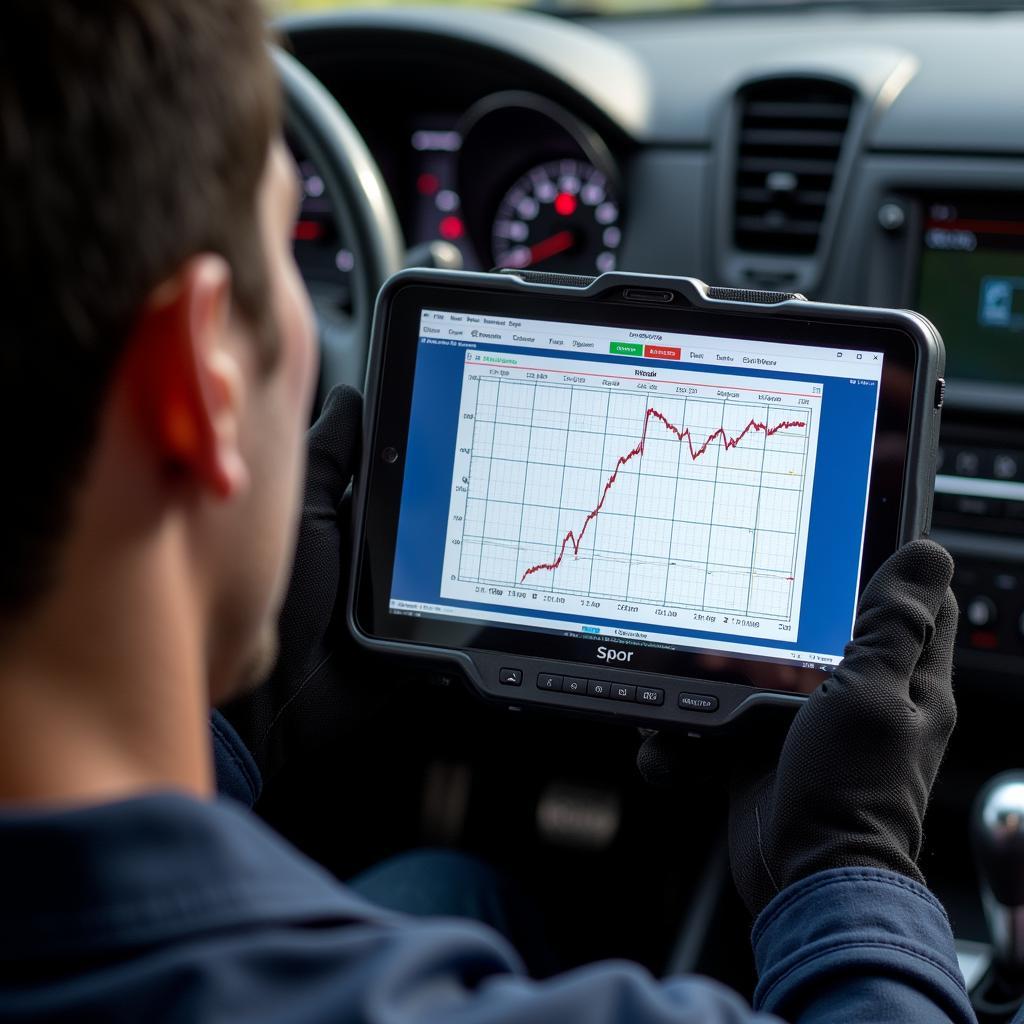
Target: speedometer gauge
[560, 216]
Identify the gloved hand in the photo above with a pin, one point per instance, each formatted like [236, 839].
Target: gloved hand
[857, 767]
[304, 690]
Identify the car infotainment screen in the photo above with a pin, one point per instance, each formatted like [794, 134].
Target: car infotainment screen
[971, 284]
[699, 493]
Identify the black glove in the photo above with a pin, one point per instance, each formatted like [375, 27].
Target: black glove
[857, 767]
[303, 692]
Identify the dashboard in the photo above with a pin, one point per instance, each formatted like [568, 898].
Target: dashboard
[858, 157]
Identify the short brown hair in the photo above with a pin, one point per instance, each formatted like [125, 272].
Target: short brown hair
[133, 135]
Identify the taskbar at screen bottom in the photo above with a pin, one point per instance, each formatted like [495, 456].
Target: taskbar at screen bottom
[648, 638]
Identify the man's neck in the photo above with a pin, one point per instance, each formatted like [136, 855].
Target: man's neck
[102, 690]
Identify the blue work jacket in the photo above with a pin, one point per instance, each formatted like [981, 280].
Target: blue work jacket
[166, 908]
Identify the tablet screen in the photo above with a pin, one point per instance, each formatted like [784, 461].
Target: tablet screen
[700, 493]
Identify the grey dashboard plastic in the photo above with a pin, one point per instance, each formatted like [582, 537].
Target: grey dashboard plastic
[663, 80]
[965, 95]
[602, 72]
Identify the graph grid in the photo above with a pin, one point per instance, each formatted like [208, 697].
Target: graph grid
[687, 502]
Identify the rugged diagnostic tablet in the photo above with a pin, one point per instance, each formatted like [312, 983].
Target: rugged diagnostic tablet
[634, 495]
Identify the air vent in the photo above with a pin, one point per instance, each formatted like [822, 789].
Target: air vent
[791, 133]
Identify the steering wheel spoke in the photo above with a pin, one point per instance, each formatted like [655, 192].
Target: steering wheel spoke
[343, 342]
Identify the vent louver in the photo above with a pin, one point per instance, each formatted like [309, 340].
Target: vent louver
[790, 136]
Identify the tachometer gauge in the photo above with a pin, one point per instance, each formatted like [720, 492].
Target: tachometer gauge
[560, 216]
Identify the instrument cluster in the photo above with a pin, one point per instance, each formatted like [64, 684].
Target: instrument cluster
[515, 181]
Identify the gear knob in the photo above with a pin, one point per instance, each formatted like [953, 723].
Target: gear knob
[997, 836]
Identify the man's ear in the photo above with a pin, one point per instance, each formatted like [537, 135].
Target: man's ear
[183, 373]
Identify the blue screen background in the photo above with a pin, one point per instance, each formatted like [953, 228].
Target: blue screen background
[837, 505]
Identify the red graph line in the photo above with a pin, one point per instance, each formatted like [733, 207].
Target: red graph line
[695, 453]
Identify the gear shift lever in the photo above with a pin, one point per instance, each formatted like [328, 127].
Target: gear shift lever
[997, 835]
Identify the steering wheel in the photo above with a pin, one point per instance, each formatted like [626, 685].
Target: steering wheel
[363, 209]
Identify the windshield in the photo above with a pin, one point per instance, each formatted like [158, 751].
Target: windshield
[647, 6]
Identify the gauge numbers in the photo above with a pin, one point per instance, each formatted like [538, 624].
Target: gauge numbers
[560, 216]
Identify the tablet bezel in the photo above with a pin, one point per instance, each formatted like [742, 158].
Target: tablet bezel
[389, 404]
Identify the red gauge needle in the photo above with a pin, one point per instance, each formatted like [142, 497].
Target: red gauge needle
[552, 246]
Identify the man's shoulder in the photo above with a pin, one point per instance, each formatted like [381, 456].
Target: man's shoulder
[169, 908]
[151, 870]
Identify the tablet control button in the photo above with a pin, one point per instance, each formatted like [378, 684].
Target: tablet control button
[510, 677]
[573, 684]
[546, 681]
[649, 695]
[597, 688]
[698, 702]
[623, 691]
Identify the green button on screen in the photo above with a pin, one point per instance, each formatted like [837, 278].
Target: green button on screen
[622, 348]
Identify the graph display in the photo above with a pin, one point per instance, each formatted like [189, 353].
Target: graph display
[590, 488]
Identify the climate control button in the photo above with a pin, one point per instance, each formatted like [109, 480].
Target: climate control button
[980, 611]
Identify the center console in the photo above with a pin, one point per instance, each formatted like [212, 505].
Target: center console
[954, 250]
[970, 280]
